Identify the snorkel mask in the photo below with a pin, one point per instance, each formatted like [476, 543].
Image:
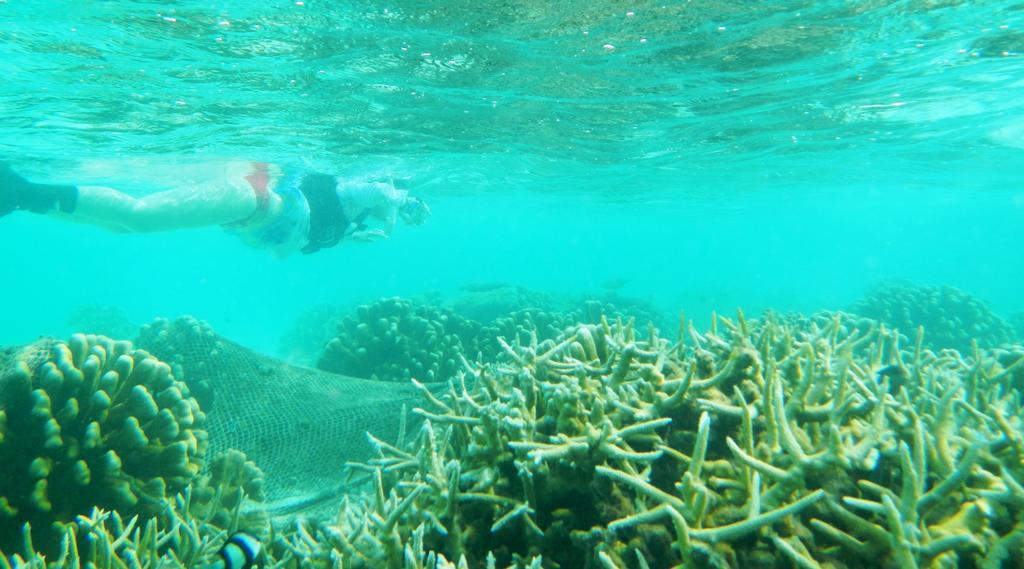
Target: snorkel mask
[414, 211]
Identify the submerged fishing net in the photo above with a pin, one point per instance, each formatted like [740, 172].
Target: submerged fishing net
[299, 425]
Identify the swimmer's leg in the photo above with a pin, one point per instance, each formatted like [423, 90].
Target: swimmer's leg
[191, 206]
[215, 203]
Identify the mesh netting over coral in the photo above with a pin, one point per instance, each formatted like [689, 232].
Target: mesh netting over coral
[299, 425]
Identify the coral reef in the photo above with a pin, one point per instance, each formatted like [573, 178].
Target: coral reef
[756, 444]
[486, 302]
[91, 423]
[396, 340]
[188, 532]
[220, 495]
[304, 341]
[952, 318]
[1017, 323]
[105, 538]
[1009, 357]
[521, 326]
[614, 305]
[300, 425]
[824, 441]
[109, 321]
[182, 340]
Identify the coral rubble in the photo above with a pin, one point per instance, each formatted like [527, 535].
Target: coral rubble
[91, 423]
[953, 318]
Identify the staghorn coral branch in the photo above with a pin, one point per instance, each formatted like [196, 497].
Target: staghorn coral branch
[646, 517]
[462, 420]
[728, 371]
[555, 350]
[700, 446]
[642, 486]
[740, 529]
[510, 351]
[641, 428]
[866, 505]
[381, 446]
[873, 533]
[606, 561]
[539, 452]
[429, 396]
[772, 472]
[787, 438]
[618, 453]
[949, 543]
[845, 540]
[520, 510]
[952, 481]
[720, 408]
[899, 540]
[800, 559]
[755, 496]
[486, 498]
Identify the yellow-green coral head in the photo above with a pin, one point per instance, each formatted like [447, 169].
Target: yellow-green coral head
[87, 423]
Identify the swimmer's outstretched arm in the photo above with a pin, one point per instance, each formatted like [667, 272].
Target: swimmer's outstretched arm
[216, 203]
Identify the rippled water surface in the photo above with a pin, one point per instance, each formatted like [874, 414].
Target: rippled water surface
[709, 154]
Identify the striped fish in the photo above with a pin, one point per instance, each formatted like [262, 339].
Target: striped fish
[238, 552]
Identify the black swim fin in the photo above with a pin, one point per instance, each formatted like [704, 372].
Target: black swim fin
[9, 182]
[17, 193]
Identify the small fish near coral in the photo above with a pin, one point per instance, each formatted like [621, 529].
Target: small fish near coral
[238, 552]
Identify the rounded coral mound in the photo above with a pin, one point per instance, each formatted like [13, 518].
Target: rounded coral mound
[395, 340]
[87, 423]
[231, 482]
[951, 318]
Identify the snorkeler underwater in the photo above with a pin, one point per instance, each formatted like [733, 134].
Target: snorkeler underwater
[268, 207]
[595, 285]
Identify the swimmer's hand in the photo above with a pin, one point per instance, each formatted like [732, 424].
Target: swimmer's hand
[369, 236]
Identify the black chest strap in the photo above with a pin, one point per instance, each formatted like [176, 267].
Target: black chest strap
[328, 224]
[327, 221]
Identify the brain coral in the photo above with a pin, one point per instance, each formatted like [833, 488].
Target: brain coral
[951, 317]
[91, 422]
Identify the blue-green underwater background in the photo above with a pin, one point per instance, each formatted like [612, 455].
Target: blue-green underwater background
[703, 155]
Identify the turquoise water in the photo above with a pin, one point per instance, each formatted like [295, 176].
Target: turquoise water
[711, 155]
